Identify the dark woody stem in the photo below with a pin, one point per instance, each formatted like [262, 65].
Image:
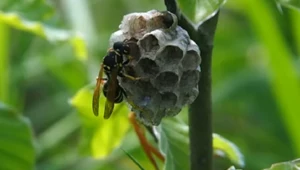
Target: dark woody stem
[200, 112]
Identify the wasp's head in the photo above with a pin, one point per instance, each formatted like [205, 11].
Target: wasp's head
[126, 49]
[121, 47]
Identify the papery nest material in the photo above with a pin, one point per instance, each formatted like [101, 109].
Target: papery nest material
[166, 59]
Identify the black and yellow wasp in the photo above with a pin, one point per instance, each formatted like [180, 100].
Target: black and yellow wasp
[112, 66]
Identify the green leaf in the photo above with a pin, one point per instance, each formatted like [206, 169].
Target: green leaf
[291, 165]
[199, 11]
[32, 9]
[174, 143]
[232, 168]
[16, 141]
[101, 136]
[283, 74]
[49, 33]
[295, 15]
[35, 16]
[53, 135]
[225, 148]
[4, 63]
[134, 160]
[290, 3]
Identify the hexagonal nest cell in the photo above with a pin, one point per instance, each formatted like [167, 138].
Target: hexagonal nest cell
[167, 61]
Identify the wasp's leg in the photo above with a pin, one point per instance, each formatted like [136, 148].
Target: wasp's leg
[121, 74]
[129, 57]
[125, 62]
[148, 148]
[131, 77]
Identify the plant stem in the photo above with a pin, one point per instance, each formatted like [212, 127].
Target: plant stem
[200, 112]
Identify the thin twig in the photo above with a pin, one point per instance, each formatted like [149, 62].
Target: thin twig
[200, 112]
[171, 6]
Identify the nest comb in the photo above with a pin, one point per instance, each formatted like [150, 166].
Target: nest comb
[165, 58]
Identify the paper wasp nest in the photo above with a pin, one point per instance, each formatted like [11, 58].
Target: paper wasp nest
[165, 58]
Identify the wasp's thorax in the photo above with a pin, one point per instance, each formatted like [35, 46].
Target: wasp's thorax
[121, 48]
[115, 57]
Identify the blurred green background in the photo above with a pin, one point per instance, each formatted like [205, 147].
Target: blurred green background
[255, 75]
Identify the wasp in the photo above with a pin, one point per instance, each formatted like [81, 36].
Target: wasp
[112, 66]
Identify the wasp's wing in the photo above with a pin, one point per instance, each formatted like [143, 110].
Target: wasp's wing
[111, 93]
[97, 92]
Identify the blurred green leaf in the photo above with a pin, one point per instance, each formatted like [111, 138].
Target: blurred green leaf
[291, 165]
[232, 168]
[101, 136]
[49, 33]
[32, 9]
[16, 141]
[225, 148]
[200, 10]
[295, 27]
[284, 79]
[290, 3]
[4, 63]
[54, 134]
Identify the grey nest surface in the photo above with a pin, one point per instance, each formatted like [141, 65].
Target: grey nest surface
[167, 61]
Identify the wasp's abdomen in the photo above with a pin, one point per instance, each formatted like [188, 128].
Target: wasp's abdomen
[118, 93]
